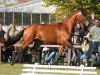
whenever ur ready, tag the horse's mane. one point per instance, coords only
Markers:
(71, 15)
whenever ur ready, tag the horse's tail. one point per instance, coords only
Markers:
(14, 40)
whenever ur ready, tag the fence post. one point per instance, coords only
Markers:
(34, 68)
(81, 73)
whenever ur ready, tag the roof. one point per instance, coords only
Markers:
(24, 1)
(36, 6)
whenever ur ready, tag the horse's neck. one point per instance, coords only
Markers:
(69, 22)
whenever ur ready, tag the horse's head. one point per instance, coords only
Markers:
(70, 21)
(80, 17)
(74, 17)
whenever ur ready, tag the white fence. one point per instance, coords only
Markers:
(30, 69)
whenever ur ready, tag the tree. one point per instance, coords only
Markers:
(66, 7)
(4, 4)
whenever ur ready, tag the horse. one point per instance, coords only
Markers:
(56, 33)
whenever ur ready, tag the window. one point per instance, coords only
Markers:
(36, 18)
(26, 18)
(45, 18)
(2, 17)
(8, 18)
(18, 18)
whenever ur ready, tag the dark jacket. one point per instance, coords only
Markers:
(2, 39)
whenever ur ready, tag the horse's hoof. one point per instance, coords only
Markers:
(14, 59)
(12, 63)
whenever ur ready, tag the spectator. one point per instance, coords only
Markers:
(49, 55)
(79, 30)
(85, 47)
(12, 30)
(92, 22)
(94, 39)
(54, 55)
(77, 50)
(28, 56)
(87, 26)
(3, 35)
(44, 52)
(3, 38)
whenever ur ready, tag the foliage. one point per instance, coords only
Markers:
(66, 7)
(1, 2)
(6, 4)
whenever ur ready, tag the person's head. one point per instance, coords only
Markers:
(12, 26)
(45, 49)
(76, 38)
(85, 40)
(86, 23)
(78, 25)
(97, 22)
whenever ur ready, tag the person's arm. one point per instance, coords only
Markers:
(90, 33)
(77, 46)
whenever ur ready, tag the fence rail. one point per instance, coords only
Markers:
(30, 69)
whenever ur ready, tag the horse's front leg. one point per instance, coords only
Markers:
(61, 50)
(69, 46)
(59, 54)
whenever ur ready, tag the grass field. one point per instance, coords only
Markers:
(7, 69)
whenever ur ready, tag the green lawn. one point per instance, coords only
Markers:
(98, 70)
(7, 69)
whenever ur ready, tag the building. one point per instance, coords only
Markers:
(28, 12)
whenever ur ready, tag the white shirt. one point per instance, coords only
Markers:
(95, 33)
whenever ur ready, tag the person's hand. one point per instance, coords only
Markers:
(88, 35)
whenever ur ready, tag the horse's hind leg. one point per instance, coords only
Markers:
(69, 46)
(36, 44)
(25, 43)
(16, 55)
(61, 49)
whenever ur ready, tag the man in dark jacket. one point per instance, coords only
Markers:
(3, 35)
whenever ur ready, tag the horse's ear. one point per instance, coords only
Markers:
(80, 13)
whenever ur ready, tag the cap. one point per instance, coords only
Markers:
(45, 49)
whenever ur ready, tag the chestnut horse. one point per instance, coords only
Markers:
(57, 33)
